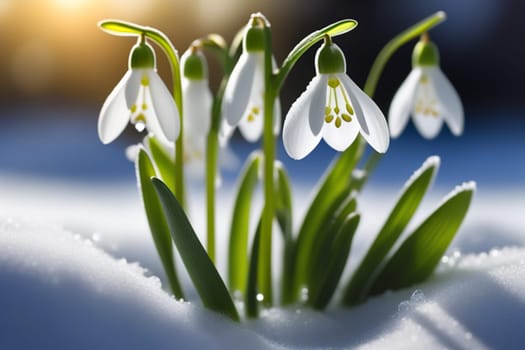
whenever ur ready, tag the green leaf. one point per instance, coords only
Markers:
(418, 256)
(322, 247)
(251, 302)
(206, 279)
(339, 210)
(283, 213)
(239, 231)
(121, 28)
(334, 263)
(283, 201)
(156, 220)
(399, 217)
(333, 189)
(333, 29)
(163, 160)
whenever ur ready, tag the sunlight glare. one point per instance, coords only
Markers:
(70, 5)
(131, 7)
(4, 6)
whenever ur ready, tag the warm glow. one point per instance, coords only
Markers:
(69, 5)
(4, 5)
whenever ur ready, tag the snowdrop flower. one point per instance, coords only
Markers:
(333, 107)
(243, 103)
(426, 94)
(197, 101)
(140, 98)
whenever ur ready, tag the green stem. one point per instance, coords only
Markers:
(377, 69)
(160, 39)
(211, 176)
(394, 44)
(333, 29)
(123, 28)
(212, 152)
(265, 251)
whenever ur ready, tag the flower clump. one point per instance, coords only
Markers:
(193, 122)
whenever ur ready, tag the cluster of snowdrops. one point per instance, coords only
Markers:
(191, 122)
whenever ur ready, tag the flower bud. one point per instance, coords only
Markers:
(194, 65)
(425, 53)
(329, 59)
(254, 39)
(142, 56)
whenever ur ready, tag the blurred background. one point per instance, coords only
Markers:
(57, 67)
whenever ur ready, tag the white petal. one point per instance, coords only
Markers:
(165, 109)
(317, 103)
(449, 101)
(371, 120)
(298, 138)
(114, 115)
(152, 123)
(239, 87)
(197, 102)
(428, 126)
(225, 133)
(252, 130)
(342, 137)
(277, 112)
(277, 117)
(133, 86)
(403, 102)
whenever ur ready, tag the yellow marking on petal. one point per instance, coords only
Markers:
(251, 117)
(346, 117)
(424, 79)
(338, 122)
(256, 110)
(144, 106)
(144, 81)
(133, 108)
(333, 82)
(140, 118)
(329, 118)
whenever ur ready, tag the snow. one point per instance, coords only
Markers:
(69, 286)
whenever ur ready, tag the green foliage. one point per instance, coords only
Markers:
(332, 263)
(316, 257)
(156, 220)
(251, 302)
(283, 213)
(240, 225)
(418, 256)
(332, 191)
(163, 161)
(399, 217)
(205, 278)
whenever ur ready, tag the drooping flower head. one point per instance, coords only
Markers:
(197, 101)
(243, 103)
(333, 107)
(427, 95)
(140, 98)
